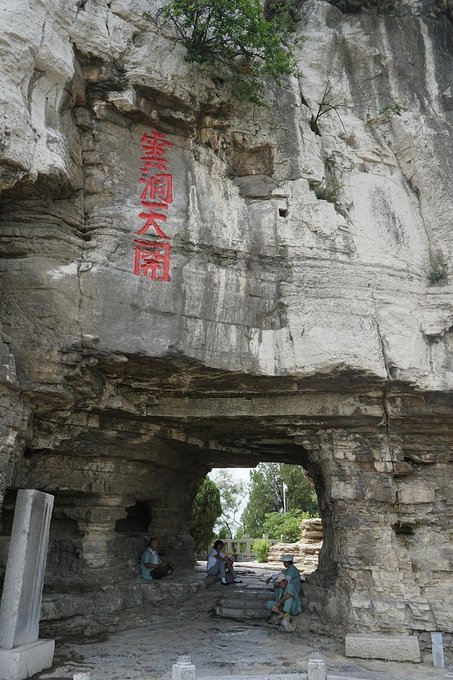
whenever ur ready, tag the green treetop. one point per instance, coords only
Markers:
(247, 42)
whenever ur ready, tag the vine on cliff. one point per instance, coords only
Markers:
(247, 42)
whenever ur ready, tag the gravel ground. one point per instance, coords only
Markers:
(142, 644)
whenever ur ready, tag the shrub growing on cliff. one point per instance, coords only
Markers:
(235, 35)
(438, 273)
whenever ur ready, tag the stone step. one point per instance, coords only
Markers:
(239, 602)
(238, 599)
(244, 603)
(246, 612)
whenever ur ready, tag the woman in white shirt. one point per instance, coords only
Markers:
(219, 563)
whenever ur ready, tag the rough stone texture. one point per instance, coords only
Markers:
(26, 660)
(293, 329)
(387, 647)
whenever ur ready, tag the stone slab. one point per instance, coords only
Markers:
(387, 647)
(242, 613)
(24, 577)
(24, 661)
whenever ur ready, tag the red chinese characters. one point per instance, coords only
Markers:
(152, 257)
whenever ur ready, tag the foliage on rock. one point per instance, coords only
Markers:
(237, 36)
(438, 273)
(386, 113)
(394, 108)
(331, 100)
(206, 510)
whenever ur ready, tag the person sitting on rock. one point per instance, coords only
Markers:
(219, 564)
(291, 571)
(151, 566)
(285, 604)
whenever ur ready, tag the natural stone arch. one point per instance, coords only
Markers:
(375, 470)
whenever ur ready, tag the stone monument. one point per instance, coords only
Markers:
(21, 653)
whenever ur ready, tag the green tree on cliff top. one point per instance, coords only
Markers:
(239, 37)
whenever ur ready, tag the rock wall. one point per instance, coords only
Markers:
(308, 317)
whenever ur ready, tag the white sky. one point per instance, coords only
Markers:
(240, 475)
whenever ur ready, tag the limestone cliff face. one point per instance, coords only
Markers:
(308, 316)
(266, 275)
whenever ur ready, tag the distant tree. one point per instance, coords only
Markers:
(301, 494)
(232, 495)
(206, 510)
(266, 494)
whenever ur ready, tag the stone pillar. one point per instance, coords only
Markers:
(183, 669)
(437, 650)
(22, 655)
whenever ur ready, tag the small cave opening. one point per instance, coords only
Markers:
(402, 529)
(137, 520)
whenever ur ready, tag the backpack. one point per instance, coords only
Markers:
(229, 576)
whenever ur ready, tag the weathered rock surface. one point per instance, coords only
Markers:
(309, 314)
